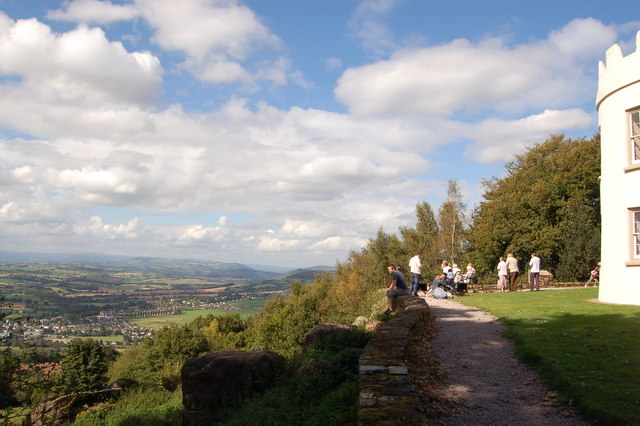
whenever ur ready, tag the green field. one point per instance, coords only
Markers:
(247, 307)
(589, 352)
(117, 338)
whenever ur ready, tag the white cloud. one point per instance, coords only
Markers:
(101, 12)
(471, 78)
(368, 27)
(498, 140)
(216, 35)
(97, 227)
(80, 66)
(93, 136)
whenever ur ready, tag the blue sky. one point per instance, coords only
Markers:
(280, 132)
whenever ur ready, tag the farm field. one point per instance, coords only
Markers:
(246, 308)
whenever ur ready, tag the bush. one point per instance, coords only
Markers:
(151, 407)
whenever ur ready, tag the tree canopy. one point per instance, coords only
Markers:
(548, 203)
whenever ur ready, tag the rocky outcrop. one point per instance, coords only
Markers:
(63, 410)
(218, 380)
(386, 394)
(326, 331)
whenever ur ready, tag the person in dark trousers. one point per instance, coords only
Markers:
(398, 287)
(534, 272)
(512, 267)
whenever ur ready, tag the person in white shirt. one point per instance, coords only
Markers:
(514, 272)
(502, 275)
(414, 266)
(534, 272)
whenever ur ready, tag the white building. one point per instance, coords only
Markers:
(618, 106)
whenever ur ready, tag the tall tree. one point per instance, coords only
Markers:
(422, 239)
(451, 221)
(84, 366)
(549, 203)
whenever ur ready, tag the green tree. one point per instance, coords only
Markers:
(84, 366)
(159, 360)
(451, 224)
(386, 249)
(423, 238)
(548, 203)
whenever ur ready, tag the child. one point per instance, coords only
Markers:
(594, 277)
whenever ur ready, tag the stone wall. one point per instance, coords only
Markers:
(386, 394)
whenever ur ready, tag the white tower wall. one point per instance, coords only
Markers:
(618, 93)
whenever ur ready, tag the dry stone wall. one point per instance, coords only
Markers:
(386, 393)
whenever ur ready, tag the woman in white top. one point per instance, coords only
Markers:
(502, 275)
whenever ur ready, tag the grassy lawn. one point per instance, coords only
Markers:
(589, 352)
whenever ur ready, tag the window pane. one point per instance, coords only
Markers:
(635, 123)
(636, 233)
(635, 148)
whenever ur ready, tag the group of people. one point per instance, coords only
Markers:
(451, 277)
(508, 273)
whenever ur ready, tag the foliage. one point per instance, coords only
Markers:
(152, 407)
(84, 366)
(284, 321)
(451, 224)
(547, 203)
(326, 398)
(386, 249)
(355, 289)
(224, 331)
(587, 351)
(423, 238)
(159, 360)
(26, 379)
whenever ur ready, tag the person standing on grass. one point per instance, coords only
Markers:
(502, 275)
(512, 268)
(534, 272)
(593, 277)
(398, 287)
(415, 265)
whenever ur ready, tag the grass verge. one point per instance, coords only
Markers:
(587, 351)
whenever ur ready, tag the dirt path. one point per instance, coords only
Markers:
(479, 381)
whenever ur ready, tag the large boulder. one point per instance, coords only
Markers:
(218, 380)
(326, 332)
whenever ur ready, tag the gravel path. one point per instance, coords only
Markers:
(477, 379)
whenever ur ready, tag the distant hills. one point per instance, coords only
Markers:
(61, 257)
(171, 267)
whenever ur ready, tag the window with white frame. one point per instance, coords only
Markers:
(635, 223)
(634, 122)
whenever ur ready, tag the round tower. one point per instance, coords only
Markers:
(618, 106)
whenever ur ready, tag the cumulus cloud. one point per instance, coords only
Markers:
(93, 11)
(83, 132)
(461, 77)
(216, 36)
(497, 140)
(98, 227)
(80, 66)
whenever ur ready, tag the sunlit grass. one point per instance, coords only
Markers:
(589, 352)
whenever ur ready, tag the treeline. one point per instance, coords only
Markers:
(548, 202)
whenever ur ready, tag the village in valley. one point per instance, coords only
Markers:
(47, 304)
